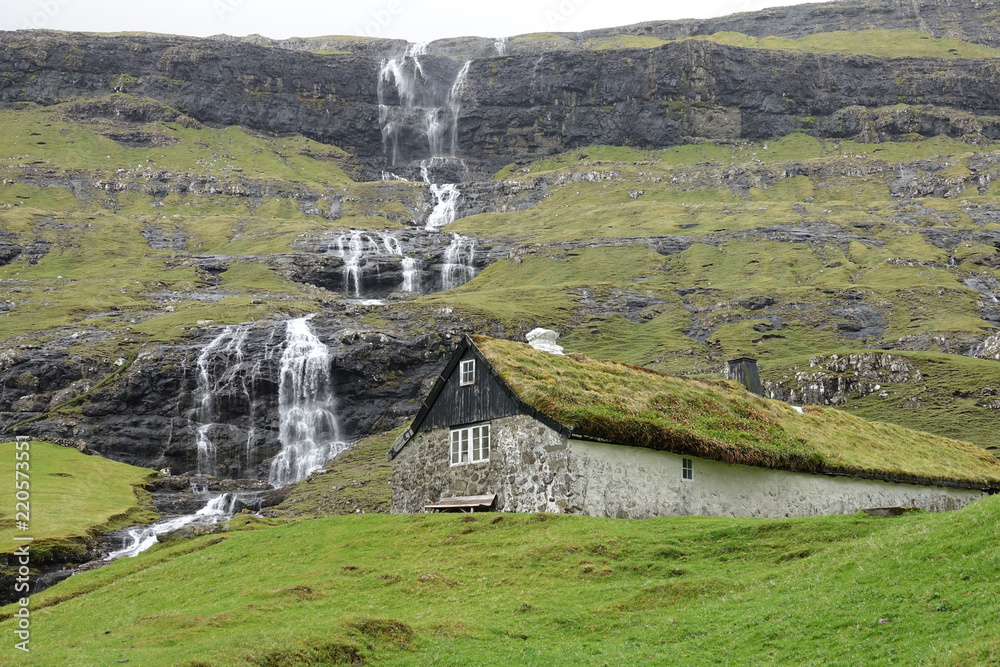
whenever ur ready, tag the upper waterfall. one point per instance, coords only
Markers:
(420, 122)
(419, 105)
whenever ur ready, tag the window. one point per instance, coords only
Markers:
(468, 372)
(687, 470)
(470, 444)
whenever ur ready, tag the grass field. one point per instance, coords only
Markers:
(72, 496)
(879, 43)
(543, 590)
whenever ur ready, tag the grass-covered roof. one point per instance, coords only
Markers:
(718, 420)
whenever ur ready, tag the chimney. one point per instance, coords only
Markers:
(744, 371)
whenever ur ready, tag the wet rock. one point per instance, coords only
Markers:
(31, 403)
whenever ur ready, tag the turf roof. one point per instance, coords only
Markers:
(719, 420)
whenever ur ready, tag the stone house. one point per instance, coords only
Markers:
(510, 428)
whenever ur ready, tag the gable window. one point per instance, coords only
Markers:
(470, 444)
(687, 470)
(468, 373)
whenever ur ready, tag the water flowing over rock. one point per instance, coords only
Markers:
(139, 538)
(309, 430)
(459, 262)
(428, 108)
(224, 363)
(410, 275)
(358, 249)
(445, 202)
(419, 105)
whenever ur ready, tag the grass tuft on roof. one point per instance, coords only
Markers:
(721, 421)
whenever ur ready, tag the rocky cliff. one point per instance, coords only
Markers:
(526, 104)
(168, 203)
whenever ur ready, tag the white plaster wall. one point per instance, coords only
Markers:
(635, 482)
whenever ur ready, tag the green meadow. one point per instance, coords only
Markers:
(919, 589)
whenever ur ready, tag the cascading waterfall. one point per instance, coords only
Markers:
(445, 205)
(455, 103)
(221, 363)
(410, 275)
(308, 428)
(421, 106)
(501, 46)
(357, 248)
(459, 262)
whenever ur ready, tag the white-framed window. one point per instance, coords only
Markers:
(468, 372)
(470, 444)
(687, 470)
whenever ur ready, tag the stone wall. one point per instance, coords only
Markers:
(527, 469)
(634, 483)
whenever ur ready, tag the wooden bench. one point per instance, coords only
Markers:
(463, 504)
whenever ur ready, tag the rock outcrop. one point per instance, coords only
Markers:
(832, 380)
(524, 104)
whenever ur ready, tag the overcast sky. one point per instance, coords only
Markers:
(413, 20)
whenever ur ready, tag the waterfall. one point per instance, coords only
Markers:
(459, 258)
(357, 248)
(445, 203)
(410, 275)
(221, 364)
(455, 102)
(501, 46)
(423, 106)
(308, 428)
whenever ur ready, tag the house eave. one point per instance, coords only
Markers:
(987, 487)
(466, 345)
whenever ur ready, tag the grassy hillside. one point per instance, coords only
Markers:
(355, 481)
(880, 43)
(72, 497)
(674, 259)
(542, 589)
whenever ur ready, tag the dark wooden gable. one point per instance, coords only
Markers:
(451, 404)
(483, 400)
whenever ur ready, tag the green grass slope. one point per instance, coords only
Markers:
(543, 590)
(72, 497)
(353, 482)
(880, 43)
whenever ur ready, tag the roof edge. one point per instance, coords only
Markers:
(468, 343)
(988, 487)
(442, 378)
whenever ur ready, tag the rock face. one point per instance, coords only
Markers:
(524, 103)
(832, 379)
(150, 415)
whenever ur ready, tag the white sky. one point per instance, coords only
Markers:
(413, 20)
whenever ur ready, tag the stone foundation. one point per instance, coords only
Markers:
(527, 469)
